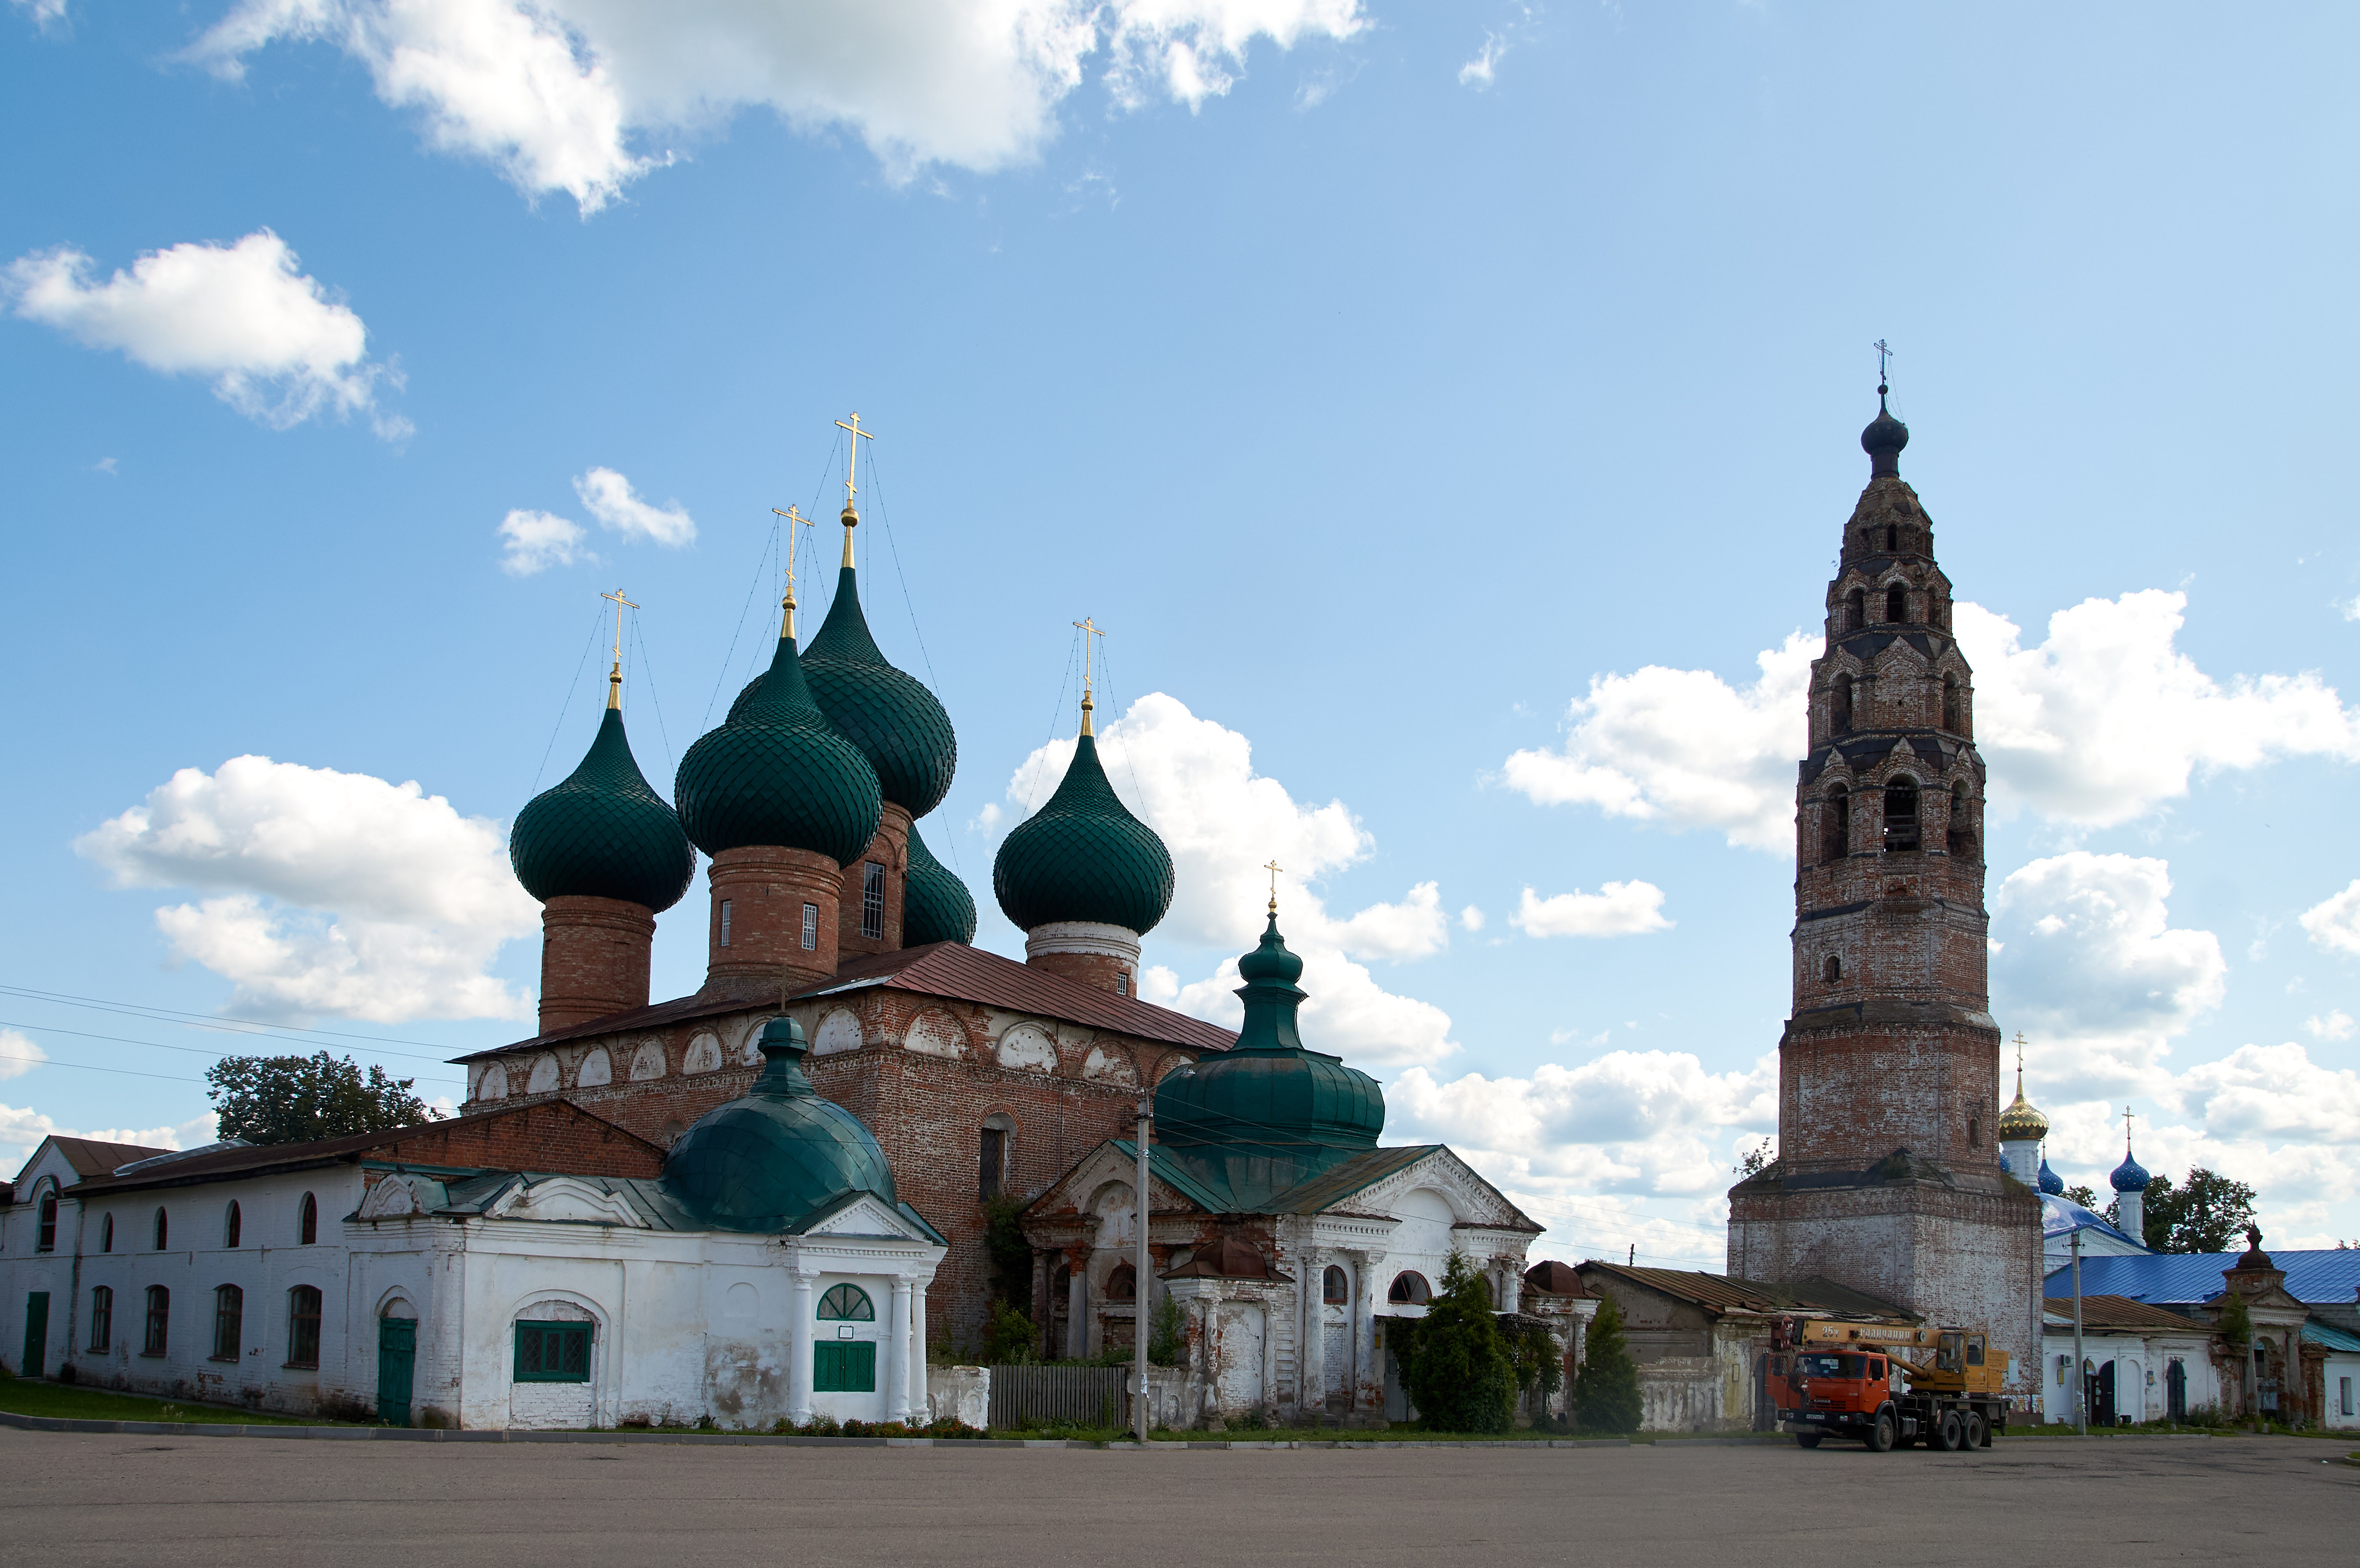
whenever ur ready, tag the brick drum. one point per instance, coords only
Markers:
(766, 889)
(594, 959)
(1888, 1177)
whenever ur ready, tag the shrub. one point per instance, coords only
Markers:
(1009, 1337)
(1605, 1396)
(1456, 1370)
(1166, 1332)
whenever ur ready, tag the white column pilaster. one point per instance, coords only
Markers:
(799, 1350)
(897, 1382)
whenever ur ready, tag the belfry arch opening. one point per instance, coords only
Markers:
(1961, 835)
(1835, 826)
(1839, 705)
(1950, 703)
(1855, 612)
(1896, 603)
(1900, 814)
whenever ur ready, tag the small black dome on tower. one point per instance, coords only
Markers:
(1883, 439)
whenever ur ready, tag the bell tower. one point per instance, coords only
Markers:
(1890, 1177)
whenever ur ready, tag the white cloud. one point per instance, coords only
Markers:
(1194, 781)
(1483, 70)
(1684, 747)
(1617, 909)
(278, 348)
(2100, 725)
(2335, 923)
(18, 1054)
(1629, 1121)
(1470, 918)
(2336, 1025)
(536, 541)
(2108, 719)
(2090, 967)
(2270, 1092)
(44, 14)
(613, 502)
(335, 893)
(571, 94)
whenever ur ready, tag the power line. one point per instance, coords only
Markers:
(151, 1044)
(207, 1020)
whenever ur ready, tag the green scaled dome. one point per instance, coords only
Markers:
(935, 905)
(1083, 857)
(775, 773)
(603, 833)
(895, 722)
(1267, 1113)
(764, 1162)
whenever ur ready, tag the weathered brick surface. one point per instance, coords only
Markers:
(767, 890)
(891, 849)
(1103, 970)
(1891, 1044)
(594, 958)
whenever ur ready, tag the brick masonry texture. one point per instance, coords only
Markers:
(1103, 970)
(594, 958)
(891, 849)
(767, 890)
(1891, 1045)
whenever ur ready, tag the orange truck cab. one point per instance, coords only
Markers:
(1887, 1385)
(1832, 1390)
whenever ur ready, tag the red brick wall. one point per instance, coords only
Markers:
(594, 958)
(550, 1136)
(891, 849)
(767, 890)
(1103, 970)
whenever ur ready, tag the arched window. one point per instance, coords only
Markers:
(1950, 703)
(1122, 1285)
(1897, 604)
(1963, 821)
(163, 1230)
(229, 1322)
(1410, 1289)
(1892, 537)
(46, 1238)
(307, 1223)
(1835, 823)
(102, 1320)
(106, 1233)
(846, 1303)
(1335, 1286)
(159, 1320)
(1974, 1133)
(1901, 814)
(232, 1224)
(1939, 611)
(1855, 610)
(992, 1141)
(304, 1327)
(1839, 705)
(1833, 970)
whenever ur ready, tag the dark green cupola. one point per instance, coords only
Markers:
(769, 1160)
(1267, 1113)
(937, 906)
(777, 774)
(1082, 856)
(603, 832)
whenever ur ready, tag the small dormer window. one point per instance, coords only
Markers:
(872, 901)
(811, 928)
(725, 922)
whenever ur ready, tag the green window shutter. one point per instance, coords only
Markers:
(552, 1353)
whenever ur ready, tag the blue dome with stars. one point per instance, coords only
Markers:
(2050, 1183)
(2130, 1176)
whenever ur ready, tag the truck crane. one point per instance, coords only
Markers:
(1889, 1385)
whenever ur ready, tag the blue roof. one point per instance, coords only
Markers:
(2323, 1278)
(2330, 1337)
(2063, 1216)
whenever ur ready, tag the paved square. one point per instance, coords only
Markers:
(193, 1500)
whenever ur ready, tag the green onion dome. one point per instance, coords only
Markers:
(603, 832)
(897, 724)
(766, 1160)
(935, 905)
(1267, 1113)
(777, 774)
(1083, 857)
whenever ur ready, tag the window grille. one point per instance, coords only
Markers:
(872, 900)
(229, 1321)
(724, 921)
(811, 928)
(159, 1320)
(304, 1327)
(47, 1240)
(553, 1352)
(846, 1303)
(1334, 1287)
(102, 1320)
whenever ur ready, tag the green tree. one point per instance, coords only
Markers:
(295, 1099)
(2207, 1213)
(1458, 1372)
(1165, 1331)
(1755, 1160)
(1605, 1396)
(1009, 1337)
(2084, 1196)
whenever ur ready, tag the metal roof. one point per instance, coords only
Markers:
(2062, 1216)
(2120, 1311)
(2328, 1336)
(1724, 1293)
(2324, 1276)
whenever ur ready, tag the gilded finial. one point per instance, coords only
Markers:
(1089, 629)
(614, 676)
(850, 519)
(2019, 1064)
(787, 604)
(1273, 868)
(1882, 355)
(2127, 1132)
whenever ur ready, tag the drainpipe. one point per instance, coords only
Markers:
(1143, 1279)
(2080, 1385)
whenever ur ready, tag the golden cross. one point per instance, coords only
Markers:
(2020, 1051)
(1273, 868)
(2126, 1128)
(852, 465)
(615, 678)
(1086, 625)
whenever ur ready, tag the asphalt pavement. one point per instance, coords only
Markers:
(74, 1500)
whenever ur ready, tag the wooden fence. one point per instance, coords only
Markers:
(1086, 1396)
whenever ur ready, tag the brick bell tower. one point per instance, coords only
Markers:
(1890, 1177)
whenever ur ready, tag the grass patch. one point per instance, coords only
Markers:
(59, 1400)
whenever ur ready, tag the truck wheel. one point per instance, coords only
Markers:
(1880, 1436)
(1978, 1431)
(1949, 1433)
(1808, 1438)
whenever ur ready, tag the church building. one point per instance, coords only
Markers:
(1889, 1178)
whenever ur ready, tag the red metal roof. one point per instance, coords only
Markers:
(90, 1157)
(1722, 1293)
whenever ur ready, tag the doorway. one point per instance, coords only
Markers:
(2101, 1396)
(396, 1360)
(37, 1335)
(2175, 1390)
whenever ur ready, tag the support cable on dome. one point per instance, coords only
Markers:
(1105, 680)
(1056, 713)
(596, 623)
(933, 682)
(762, 648)
(648, 674)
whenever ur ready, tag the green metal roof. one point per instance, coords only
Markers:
(1084, 857)
(774, 1159)
(776, 773)
(1267, 1115)
(603, 832)
(935, 905)
(897, 724)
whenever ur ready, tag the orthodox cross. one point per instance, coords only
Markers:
(792, 517)
(1087, 625)
(1882, 354)
(2019, 1053)
(852, 463)
(615, 679)
(2126, 1130)
(1273, 868)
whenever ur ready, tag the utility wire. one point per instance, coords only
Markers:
(648, 674)
(567, 706)
(208, 1020)
(151, 1044)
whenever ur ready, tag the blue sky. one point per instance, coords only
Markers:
(1450, 410)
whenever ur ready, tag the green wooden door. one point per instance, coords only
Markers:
(397, 1358)
(36, 1335)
